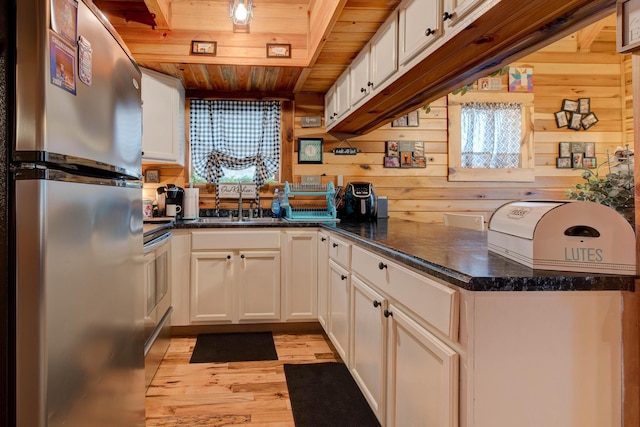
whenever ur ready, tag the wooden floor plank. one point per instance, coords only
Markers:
(230, 394)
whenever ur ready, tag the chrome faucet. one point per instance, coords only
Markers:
(239, 201)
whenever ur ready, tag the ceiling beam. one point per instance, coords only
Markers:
(160, 10)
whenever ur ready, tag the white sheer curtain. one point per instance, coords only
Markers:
(491, 134)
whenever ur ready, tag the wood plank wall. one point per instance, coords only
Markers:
(560, 71)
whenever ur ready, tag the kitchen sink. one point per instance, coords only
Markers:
(234, 221)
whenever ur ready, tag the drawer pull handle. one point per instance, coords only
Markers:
(343, 277)
(376, 303)
(446, 16)
(324, 239)
(387, 313)
(429, 32)
(335, 245)
(382, 265)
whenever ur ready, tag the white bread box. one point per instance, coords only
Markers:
(565, 236)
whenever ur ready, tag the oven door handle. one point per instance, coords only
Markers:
(156, 243)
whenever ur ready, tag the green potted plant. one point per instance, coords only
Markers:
(615, 189)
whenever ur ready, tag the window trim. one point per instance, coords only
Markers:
(526, 171)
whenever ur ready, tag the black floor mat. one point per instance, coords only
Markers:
(234, 347)
(325, 394)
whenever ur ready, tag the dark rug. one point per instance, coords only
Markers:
(325, 394)
(234, 347)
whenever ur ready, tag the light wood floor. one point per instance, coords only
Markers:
(230, 394)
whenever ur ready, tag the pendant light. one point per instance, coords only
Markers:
(241, 11)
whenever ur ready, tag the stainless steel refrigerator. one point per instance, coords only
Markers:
(74, 305)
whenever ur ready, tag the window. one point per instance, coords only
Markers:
(234, 139)
(491, 137)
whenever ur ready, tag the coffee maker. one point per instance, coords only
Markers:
(360, 201)
(173, 195)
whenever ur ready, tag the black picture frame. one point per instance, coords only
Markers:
(310, 150)
(391, 161)
(564, 149)
(575, 121)
(411, 119)
(570, 105)
(406, 159)
(561, 119)
(589, 149)
(278, 50)
(577, 160)
(588, 120)
(564, 162)
(152, 176)
(584, 105)
(204, 47)
(590, 162)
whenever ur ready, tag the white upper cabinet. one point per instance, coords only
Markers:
(420, 24)
(163, 131)
(360, 79)
(330, 112)
(384, 52)
(342, 94)
(455, 10)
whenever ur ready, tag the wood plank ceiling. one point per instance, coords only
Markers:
(325, 36)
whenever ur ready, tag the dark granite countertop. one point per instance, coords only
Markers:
(460, 257)
(456, 255)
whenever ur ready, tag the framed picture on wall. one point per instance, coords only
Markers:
(563, 162)
(564, 149)
(310, 150)
(391, 162)
(628, 25)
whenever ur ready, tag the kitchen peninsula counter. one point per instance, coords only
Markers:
(456, 255)
(461, 257)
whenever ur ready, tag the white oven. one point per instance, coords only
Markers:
(157, 291)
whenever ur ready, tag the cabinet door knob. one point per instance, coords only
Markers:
(446, 16)
(363, 90)
(335, 245)
(387, 313)
(429, 32)
(343, 277)
(324, 239)
(382, 265)
(370, 84)
(242, 256)
(376, 303)
(228, 256)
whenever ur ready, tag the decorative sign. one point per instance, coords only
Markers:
(520, 79)
(62, 66)
(311, 121)
(85, 70)
(278, 50)
(345, 151)
(229, 190)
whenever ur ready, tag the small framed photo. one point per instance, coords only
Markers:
(391, 162)
(570, 105)
(201, 47)
(564, 149)
(563, 162)
(589, 162)
(418, 149)
(310, 150)
(278, 50)
(575, 122)
(408, 120)
(419, 162)
(152, 175)
(584, 105)
(589, 149)
(577, 160)
(589, 120)
(392, 148)
(561, 119)
(577, 147)
(405, 159)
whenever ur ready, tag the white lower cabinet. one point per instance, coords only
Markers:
(422, 376)
(368, 346)
(300, 275)
(339, 309)
(235, 276)
(323, 276)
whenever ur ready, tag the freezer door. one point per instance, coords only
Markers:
(79, 322)
(101, 121)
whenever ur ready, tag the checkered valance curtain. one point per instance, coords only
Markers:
(236, 135)
(491, 134)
